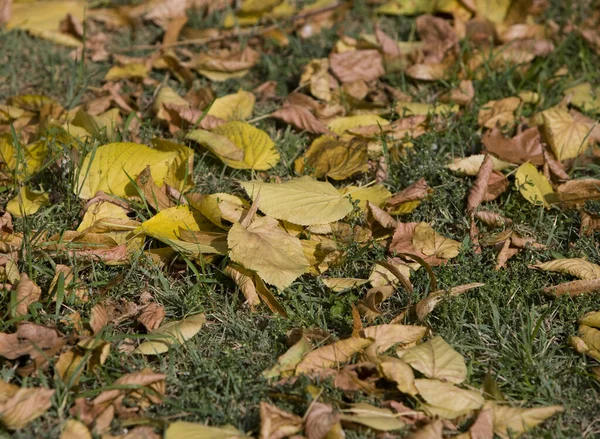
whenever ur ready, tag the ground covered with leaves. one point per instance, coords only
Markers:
(281, 218)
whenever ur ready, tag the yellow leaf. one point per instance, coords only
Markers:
(590, 319)
(436, 359)
(335, 158)
(340, 125)
(512, 422)
(25, 162)
(339, 284)
(331, 355)
(575, 267)
(42, 19)
(585, 97)
(418, 108)
(376, 194)
(93, 125)
(534, 186)
(220, 146)
(470, 165)
(20, 406)
(259, 150)
(566, 136)
(414, 7)
(75, 430)
(189, 430)
(256, 6)
(171, 333)
(27, 202)
(429, 242)
(232, 208)
(134, 70)
(111, 167)
(446, 400)
(286, 364)
(166, 95)
(101, 210)
(237, 106)
(494, 10)
(69, 365)
(401, 373)
(373, 417)
(388, 335)
(301, 201)
(281, 258)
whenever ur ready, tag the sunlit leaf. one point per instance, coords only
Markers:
(436, 359)
(534, 187)
(172, 333)
(27, 202)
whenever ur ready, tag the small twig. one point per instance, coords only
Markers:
(243, 32)
(259, 118)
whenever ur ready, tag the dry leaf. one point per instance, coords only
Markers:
(357, 65)
(436, 359)
(170, 334)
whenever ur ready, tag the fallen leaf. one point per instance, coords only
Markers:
(322, 422)
(351, 66)
(27, 202)
(436, 359)
(524, 147)
(331, 355)
(172, 333)
(27, 293)
(301, 118)
(373, 417)
(574, 266)
(282, 259)
(75, 430)
(447, 400)
(512, 422)
(20, 406)
(534, 187)
(286, 363)
(237, 106)
(301, 201)
(276, 423)
(566, 136)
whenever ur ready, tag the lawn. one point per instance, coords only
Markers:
(510, 331)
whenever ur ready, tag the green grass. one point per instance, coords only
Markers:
(507, 328)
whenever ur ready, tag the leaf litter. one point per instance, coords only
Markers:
(284, 218)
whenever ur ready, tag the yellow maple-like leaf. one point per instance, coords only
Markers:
(134, 70)
(430, 243)
(340, 125)
(237, 106)
(534, 186)
(303, 200)
(27, 202)
(513, 422)
(259, 150)
(436, 359)
(172, 333)
(111, 167)
(566, 136)
(281, 258)
(447, 400)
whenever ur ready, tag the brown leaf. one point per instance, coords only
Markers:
(492, 219)
(500, 112)
(276, 423)
(590, 222)
(415, 192)
(98, 318)
(156, 197)
(480, 186)
(461, 95)
(173, 29)
(483, 427)
(382, 217)
(524, 147)
(17, 409)
(388, 45)
(320, 422)
(432, 430)
(266, 90)
(574, 288)
(30, 339)
(497, 185)
(576, 192)
(27, 293)
(428, 304)
(438, 37)
(215, 64)
(356, 65)
(301, 118)
(152, 316)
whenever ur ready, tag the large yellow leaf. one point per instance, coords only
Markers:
(42, 19)
(101, 210)
(332, 355)
(259, 150)
(566, 136)
(446, 400)
(110, 167)
(276, 256)
(574, 266)
(189, 430)
(376, 194)
(171, 333)
(237, 106)
(303, 200)
(219, 145)
(512, 422)
(534, 187)
(436, 359)
(26, 202)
